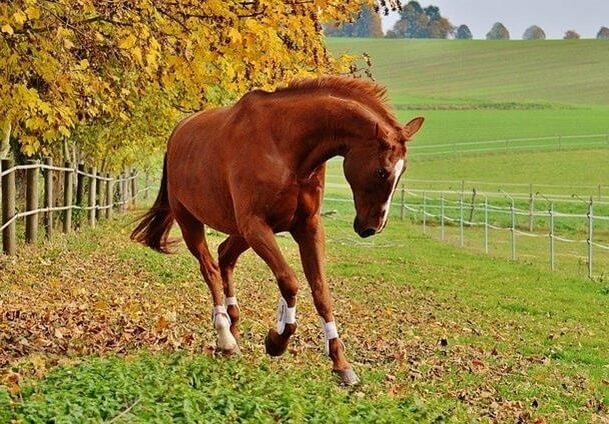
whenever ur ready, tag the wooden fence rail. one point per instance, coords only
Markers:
(95, 194)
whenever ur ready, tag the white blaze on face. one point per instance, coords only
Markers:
(397, 171)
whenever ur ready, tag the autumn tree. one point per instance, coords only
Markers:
(366, 24)
(603, 33)
(571, 35)
(99, 76)
(534, 33)
(498, 32)
(418, 22)
(464, 33)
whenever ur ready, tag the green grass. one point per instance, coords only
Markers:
(473, 91)
(432, 72)
(518, 343)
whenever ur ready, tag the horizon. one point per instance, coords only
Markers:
(518, 15)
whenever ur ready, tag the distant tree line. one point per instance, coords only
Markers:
(416, 21)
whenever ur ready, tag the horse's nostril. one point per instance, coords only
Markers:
(367, 232)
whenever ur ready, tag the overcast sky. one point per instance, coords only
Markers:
(555, 17)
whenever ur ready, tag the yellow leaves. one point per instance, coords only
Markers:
(32, 12)
(19, 18)
(127, 42)
(101, 69)
(7, 29)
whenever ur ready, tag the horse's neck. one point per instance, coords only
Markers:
(329, 127)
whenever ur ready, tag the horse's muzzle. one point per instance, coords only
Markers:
(362, 231)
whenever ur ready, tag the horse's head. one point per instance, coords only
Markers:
(373, 171)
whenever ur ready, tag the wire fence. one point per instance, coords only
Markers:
(480, 219)
(83, 190)
(558, 142)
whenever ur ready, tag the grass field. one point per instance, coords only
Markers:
(437, 335)
(473, 72)
(478, 90)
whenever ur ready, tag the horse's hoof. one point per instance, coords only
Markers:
(347, 377)
(236, 351)
(271, 348)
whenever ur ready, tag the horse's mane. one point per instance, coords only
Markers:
(370, 94)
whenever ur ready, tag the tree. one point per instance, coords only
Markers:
(366, 24)
(603, 33)
(77, 73)
(498, 32)
(534, 33)
(416, 22)
(571, 35)
(463, 33)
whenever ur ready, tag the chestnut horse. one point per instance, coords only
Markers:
(258, 168)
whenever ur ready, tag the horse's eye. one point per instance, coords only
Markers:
(382, 173)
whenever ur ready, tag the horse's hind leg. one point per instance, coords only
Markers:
(193, 232)
(228, 253)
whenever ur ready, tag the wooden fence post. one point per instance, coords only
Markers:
(147, 184)
(133, 187)
(9, 239)
(92, 195)
(49, 200)
(80, 192)
(68, 188)
(31, 203)
(121, 192)
(109, 196)
(100, 198)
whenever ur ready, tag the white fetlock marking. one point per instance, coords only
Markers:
(330, 333)
(221, 320)
(285, 315)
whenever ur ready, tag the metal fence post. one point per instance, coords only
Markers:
(590, 231)
(424, 212)
(9, 239)
(402, 203)
(442, 215)
(485, 224)
(31, 203)
(531, 207)
(461, 219)
(513, 230)
(68, 188)
(551, 213)
(49, 200)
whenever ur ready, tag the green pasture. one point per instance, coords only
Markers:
(471, 91)
(436, 333)
(474, 73)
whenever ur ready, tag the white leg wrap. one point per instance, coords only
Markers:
(330, 333)
(285, 315)
(231, 301)
(221, 320)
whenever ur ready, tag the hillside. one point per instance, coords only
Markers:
(566, 72)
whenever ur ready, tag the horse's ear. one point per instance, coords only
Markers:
(412, 127)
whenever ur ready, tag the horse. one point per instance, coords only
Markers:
(257, 168)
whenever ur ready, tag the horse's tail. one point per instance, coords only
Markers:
(153, 229)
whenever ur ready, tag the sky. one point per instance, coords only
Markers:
(555, 17)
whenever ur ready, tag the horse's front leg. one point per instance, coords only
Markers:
(261, 238)
(228, 253)
(309, 234)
